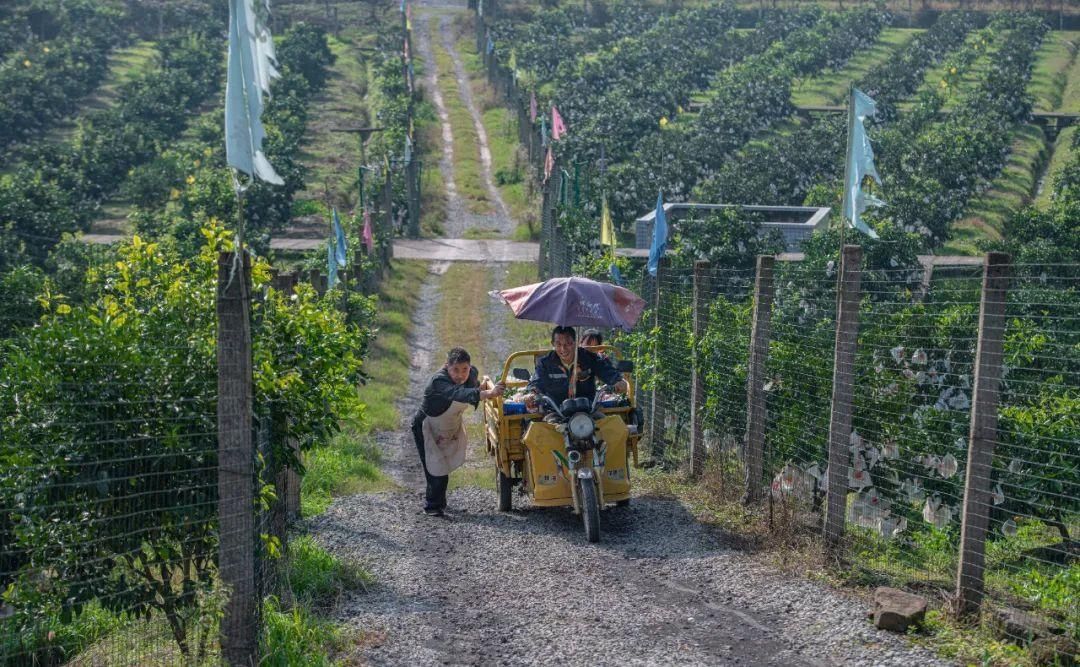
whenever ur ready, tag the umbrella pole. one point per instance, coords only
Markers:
(573, 374)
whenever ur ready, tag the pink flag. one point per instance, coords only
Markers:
(558, 127)
(369, 239)
(549, 163)
(532, 107)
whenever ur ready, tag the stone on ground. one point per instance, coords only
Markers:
(897, 610)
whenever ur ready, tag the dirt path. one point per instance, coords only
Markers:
(501, 219)
(438, 16)
(480, 587)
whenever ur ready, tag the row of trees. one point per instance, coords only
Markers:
(53, 54)
(108, 369)
(57, 188)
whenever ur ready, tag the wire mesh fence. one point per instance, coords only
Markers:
(912, 486)
(144, 484)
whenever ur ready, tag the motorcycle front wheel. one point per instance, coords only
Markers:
(590, 510)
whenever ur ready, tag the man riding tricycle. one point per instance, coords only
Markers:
(567, 442)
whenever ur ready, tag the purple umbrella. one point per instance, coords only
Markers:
(575, 302)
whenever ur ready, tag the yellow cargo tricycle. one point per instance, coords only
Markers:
(575, 454)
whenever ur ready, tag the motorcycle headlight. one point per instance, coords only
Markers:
(581, 426)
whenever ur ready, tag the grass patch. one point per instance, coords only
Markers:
(466, 153)
(469, 477)
(55, 641)
(461, 317)
(967, 644)
(1061, 154)
(298, 637)
(389, 359)
(525, 233)
(970, 76)
(480, 233)
(349, 463)
(432, 188)
(125, 64)
(1070, 96)
(1050, 75)
(318, 578)
(831, 88)
(1013, 188)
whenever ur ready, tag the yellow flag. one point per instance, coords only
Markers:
(607, 228)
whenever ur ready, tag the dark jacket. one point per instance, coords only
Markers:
(552, 379)
(441, 392)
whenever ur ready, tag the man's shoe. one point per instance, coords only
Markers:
(433, 511)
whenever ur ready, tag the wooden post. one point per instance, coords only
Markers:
(983, 435)
(847, 333)
(236, 462)
(657, 439)
(317, 281)
(697, 384)
(760, 334)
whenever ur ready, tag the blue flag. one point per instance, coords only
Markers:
(250, 69)
(339, 241)
(659, 236)
(616, 274)
(860, 163)
(331, 265)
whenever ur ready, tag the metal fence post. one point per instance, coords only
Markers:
(847, 333)
(697, 386)
(657, 440)
(983, 435)
(760, 333)
(236, 461)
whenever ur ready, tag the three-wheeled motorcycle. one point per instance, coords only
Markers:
(576, 454)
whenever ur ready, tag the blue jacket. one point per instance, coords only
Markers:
(552, 379)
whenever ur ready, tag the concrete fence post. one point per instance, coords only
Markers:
(702, 293)
(388, 224)
(983, 435)
(236, 462)
(760, 333)
(318, 282)
(287, 484)
(412, 182)
(843, 389)
(657, 437)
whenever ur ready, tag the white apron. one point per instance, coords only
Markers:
(445, 440)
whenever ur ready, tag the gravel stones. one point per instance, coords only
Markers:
(525, 588)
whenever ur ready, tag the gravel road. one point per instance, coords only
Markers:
(479, 587)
